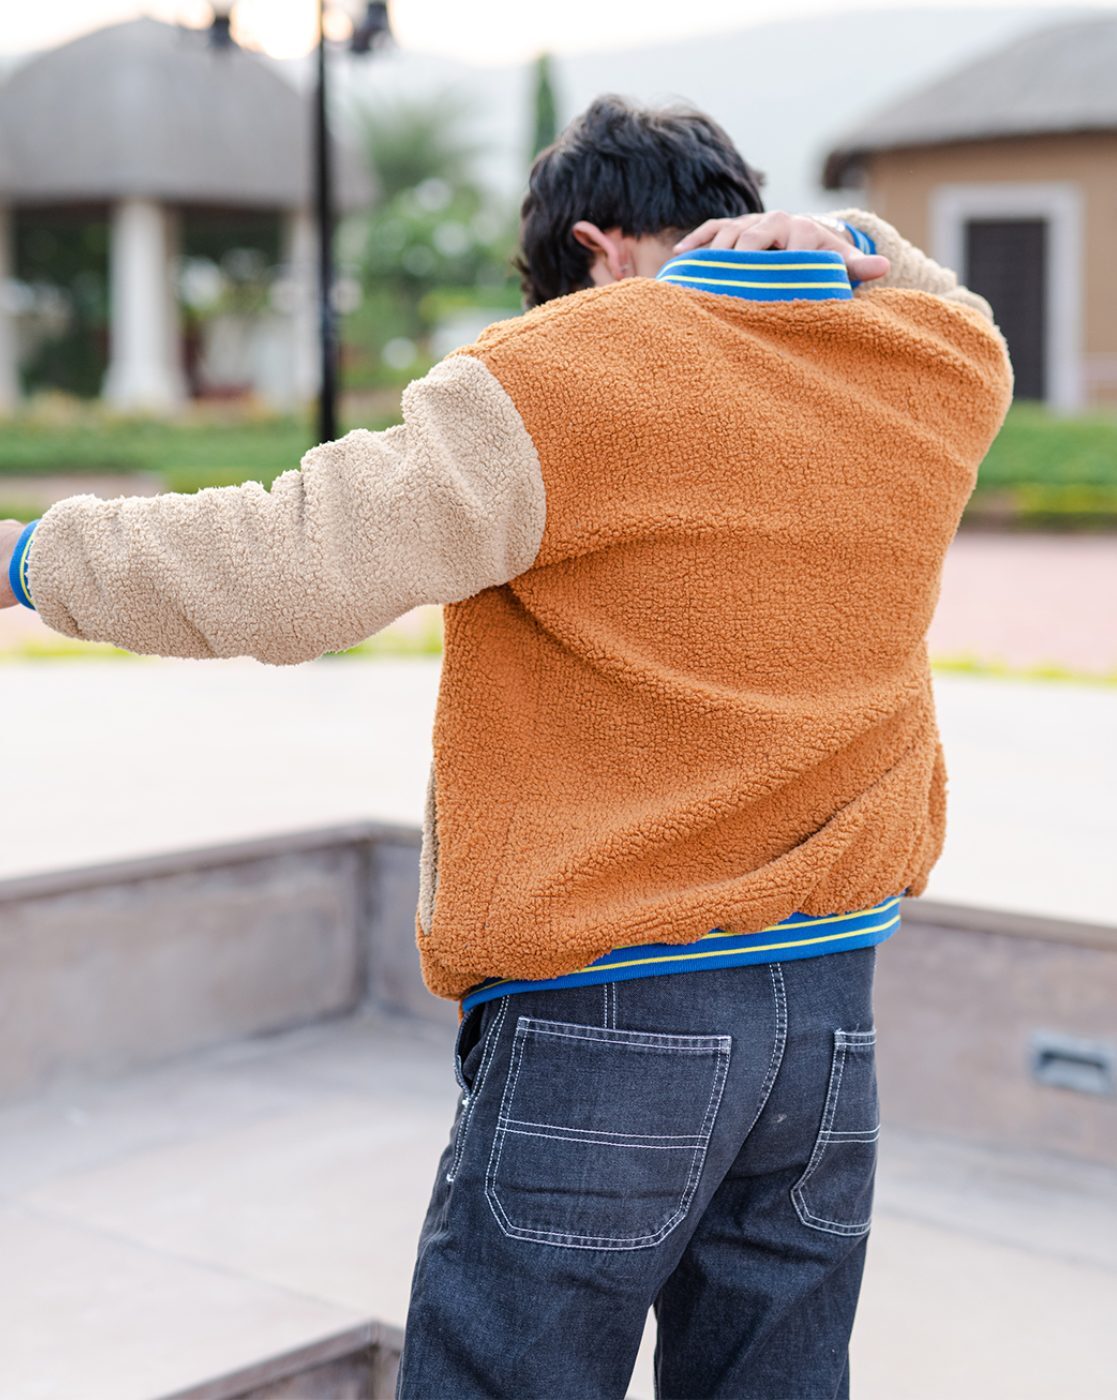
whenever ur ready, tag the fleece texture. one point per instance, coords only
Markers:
(691, 546)
(448, 503)
(708, 703)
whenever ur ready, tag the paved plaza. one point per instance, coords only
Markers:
(191, 1220)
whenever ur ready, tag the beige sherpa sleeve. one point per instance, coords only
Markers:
(433, 511)
(911, 269)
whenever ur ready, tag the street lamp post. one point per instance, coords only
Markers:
(324, 215)
(373, 29)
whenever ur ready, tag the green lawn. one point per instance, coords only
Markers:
(1036, 448)
(1045, 471)
(1042, 470)
(189, 453)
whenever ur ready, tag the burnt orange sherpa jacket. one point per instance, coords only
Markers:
(691, 546)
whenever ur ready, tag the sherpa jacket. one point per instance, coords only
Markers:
(689, 546)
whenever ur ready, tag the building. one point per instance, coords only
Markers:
(147, 125)
(1006, 169)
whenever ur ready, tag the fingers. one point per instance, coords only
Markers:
(730, 236)
(753, 233)
(777, 228)
(699, 237)
(866, 267)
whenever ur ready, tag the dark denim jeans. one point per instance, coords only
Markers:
(703, 1143)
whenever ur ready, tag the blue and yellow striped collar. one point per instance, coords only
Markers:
(773, 275)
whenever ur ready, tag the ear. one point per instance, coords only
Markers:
(611, 261)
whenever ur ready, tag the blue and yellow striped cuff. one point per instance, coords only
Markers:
(17, 568)
(864, 243)
(799, 936)
(775, 274)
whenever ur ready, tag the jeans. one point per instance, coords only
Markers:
(703, 1144)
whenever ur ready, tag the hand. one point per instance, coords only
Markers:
(10, 531)
(777, 229)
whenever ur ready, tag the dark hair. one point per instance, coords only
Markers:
(641, 170)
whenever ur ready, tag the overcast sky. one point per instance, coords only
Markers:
(484, 31)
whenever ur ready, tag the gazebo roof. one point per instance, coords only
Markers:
(1057, 79)
(151, 110)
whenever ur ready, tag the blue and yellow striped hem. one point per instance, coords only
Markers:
(799, 936)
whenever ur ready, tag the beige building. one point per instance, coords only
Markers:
(1007, 170)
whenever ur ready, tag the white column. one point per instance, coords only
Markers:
(300, 253)
(9, 354)
(145, 371)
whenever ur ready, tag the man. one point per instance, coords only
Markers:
(688, 525)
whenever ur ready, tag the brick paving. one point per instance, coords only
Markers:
(1028, 600)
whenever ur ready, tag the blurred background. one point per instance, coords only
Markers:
(230, 230)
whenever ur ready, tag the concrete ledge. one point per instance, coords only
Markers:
(964, 998)
(976, 919)
(68, 880)
(110, 968)
(360, 1363)
(122, 965)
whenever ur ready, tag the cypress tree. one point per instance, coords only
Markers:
(545, 125)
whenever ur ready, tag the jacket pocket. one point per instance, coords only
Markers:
(428, 855)
(835, 1193)
(602, 1133)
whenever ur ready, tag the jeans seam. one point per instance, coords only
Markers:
(679, 1139)
(636, 1040)
(829, 1113)
(478, 1084)
(779, 1044)
(832, 1227)
(601, 1142)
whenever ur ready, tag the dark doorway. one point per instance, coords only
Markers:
(1006, 261)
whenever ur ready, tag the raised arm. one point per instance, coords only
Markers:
(909, 267)
(435, 510)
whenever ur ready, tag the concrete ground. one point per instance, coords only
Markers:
(117, 759)
(180, 1224)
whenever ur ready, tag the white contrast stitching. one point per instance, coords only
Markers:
(844, 1041)
(525, 1025)
(652, 1040)
(688, 1138)
(600, 1142)
(779, 993)
(478, 1084)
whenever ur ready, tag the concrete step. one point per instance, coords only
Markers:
(358, 1363)
(243, 1222)
(1000, 1025)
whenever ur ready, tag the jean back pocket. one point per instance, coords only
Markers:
(602, 1133)
(835, 1192)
